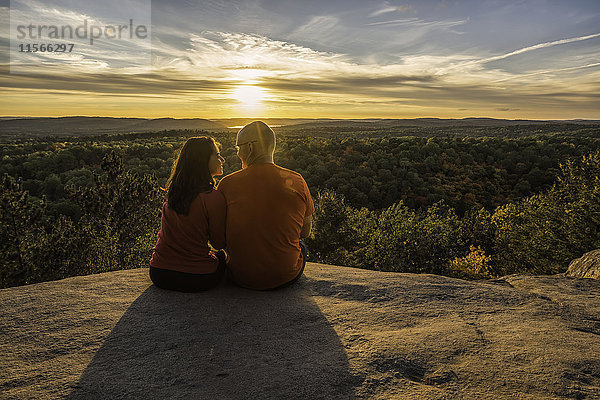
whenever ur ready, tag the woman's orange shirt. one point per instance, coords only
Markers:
(183, 239)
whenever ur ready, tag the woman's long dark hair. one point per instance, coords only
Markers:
(190, 174)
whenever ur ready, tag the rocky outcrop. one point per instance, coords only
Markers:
(587, 266)
(339, 333)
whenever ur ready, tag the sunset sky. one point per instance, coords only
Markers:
(311, 59)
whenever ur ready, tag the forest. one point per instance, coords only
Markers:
(468, 202)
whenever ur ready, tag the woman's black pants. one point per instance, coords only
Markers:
(186, 282)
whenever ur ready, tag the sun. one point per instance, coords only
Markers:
(249, 96)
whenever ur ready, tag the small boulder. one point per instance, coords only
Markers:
(587, 266)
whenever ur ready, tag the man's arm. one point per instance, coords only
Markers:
(217, 212)
(306, 225)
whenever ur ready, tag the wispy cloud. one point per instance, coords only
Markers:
(549, 71)
(416, 22)
(388, 9)
(104, 53)
(539, 46)
(164, 83)
(396, 21)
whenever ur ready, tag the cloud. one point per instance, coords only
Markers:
(207, 66)
(164, 83)
(214, 63)
(396, 21)
(416, 22)
(387, 9)
(423, 91)
(104, 53)
(361, 85)
(549, 71)
(321, 24)
(538, 46)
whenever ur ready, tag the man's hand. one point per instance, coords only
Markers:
(306, 225)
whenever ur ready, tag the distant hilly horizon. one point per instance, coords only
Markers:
(68, 125)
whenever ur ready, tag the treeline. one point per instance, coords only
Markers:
(538, 234)
(464, 172)
(444, 130)
(463, 206)
(116, 227)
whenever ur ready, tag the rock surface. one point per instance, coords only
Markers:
(339, 333)
(587, 266)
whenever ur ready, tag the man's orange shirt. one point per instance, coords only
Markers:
(266, 207)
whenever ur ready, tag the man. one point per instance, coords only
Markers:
(269, 211)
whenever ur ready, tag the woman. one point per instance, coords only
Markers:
(193, 215)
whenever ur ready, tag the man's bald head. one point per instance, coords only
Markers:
(261, 132)
(256, 143)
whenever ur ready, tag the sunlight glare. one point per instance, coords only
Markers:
(250, 96)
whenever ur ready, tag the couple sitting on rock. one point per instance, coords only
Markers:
(259, 214)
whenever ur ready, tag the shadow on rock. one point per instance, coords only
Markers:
(228, 343)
